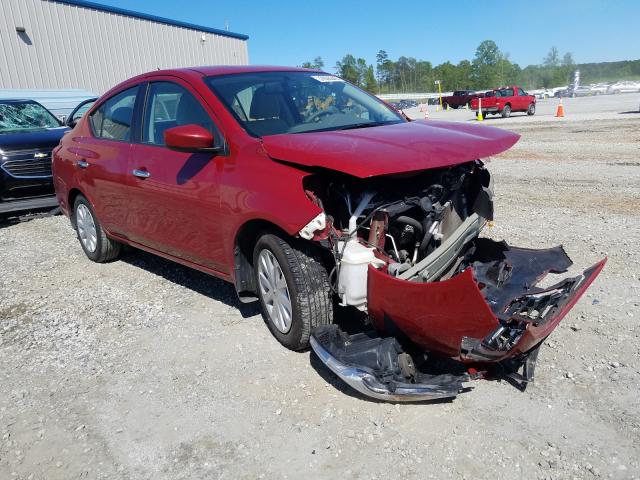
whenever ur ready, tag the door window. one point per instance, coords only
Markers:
(170, 105)
(112, 120)
(521, 92)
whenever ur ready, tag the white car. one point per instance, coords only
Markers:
(599, 89)
(543, 94)
(624, 87)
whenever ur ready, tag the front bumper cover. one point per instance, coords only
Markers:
(491, 313)
(377, 367)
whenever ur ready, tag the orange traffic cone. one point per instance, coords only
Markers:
(560, 110)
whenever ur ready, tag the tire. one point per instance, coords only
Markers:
(307, 288)
(532, 109)
(444, 106)
(95, 243)
(506, 111)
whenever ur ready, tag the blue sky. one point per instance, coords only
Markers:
(288, 32)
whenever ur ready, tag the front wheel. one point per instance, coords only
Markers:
(95, 243)
(506, 111)
(532, 109)
(293, 287)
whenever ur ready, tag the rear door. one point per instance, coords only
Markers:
(174, 202)
(102, 158)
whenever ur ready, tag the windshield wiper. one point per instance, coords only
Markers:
(363, 125)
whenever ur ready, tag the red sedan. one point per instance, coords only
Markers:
(309, 194)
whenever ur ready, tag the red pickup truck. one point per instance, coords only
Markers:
(460, 98)
(505, 100)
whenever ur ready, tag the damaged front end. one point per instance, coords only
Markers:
(407, 252)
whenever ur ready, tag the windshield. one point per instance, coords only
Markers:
(271, 103)
(25, 116)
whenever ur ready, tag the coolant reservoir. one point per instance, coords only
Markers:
(352, 281)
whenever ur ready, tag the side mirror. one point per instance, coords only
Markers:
(190, 138)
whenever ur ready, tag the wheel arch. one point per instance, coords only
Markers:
(245, 240)
(71, 198)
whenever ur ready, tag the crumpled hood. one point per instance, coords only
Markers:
(388, 149)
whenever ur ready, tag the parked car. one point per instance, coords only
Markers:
(599, 89)
(544, 94)
(582, 91)
(624, 87)
(504, 101)
(28, 134)
(460, 98)
(301, 189)
(407, 104)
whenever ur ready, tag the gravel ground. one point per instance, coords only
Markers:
(142, 369)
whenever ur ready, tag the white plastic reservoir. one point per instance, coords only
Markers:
(352, 281)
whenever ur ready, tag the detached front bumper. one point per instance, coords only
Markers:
(491, 311)
(378, 368)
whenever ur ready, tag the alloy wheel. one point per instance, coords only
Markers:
(274, 291)
(86, 228)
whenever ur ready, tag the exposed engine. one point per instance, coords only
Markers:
(399, 223)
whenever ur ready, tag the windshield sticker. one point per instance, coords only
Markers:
(326, 78)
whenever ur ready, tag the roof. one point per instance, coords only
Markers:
(227, 69)
(152, 18)
(215, 70)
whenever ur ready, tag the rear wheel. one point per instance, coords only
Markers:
(293, 287)
(95, 243)
(506, 111)
(532, 109)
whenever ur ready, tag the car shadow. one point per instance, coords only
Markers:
(186, 277)
(194, 164)
(9, 220)
(630, 111)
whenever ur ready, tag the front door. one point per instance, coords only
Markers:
(174, 201)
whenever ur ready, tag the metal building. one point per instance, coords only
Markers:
(61, 44)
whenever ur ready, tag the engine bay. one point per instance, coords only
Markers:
(399, 223)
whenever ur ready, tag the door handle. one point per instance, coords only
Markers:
(141, 173)
(82, 163)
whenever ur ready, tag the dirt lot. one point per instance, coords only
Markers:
(141, 369)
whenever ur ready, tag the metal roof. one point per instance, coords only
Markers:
(152, 18)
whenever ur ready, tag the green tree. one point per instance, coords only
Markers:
(317, 64)
(382, 59)
(567, 60)
(347, 68)
(370, 84)
(553, 58)
(361, 66)
(485, 63)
